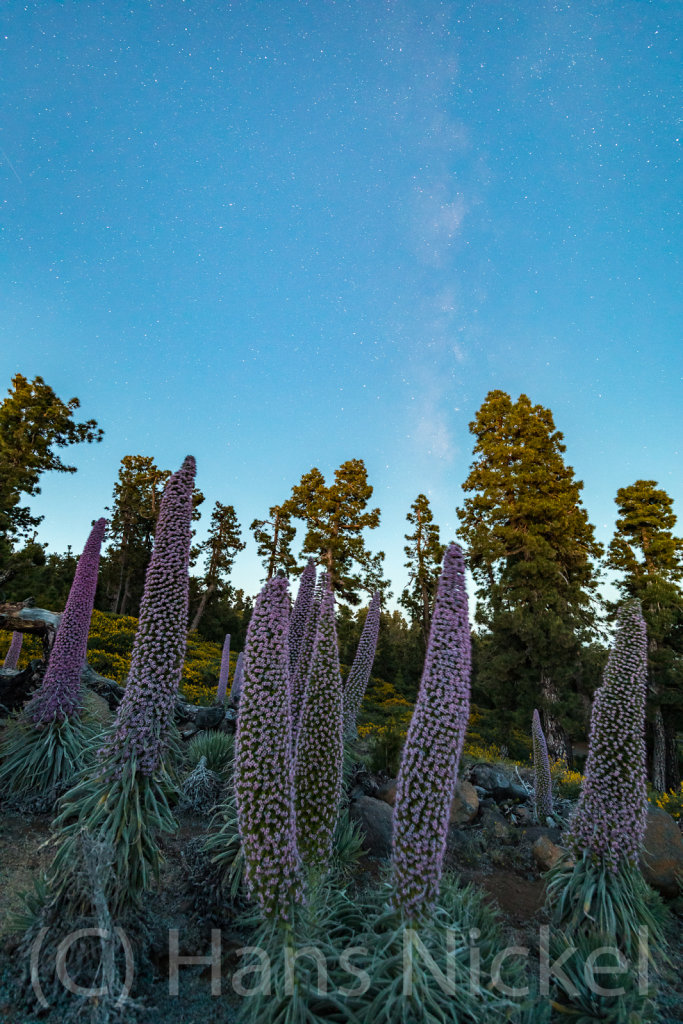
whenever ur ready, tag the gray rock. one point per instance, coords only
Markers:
(210, 718)
(375, 818)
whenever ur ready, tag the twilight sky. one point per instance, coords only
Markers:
(283, 234)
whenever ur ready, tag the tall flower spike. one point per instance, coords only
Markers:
(225, 671)
(59, 695)
(543, 792)
(359, 674)
(320, 746)
(302, 606)
(264, 769)
(426, 779)
(299, 679)
(611, 814)
(236, 688)
(142, 724)
(12, 656)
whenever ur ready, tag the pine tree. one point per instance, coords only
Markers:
(531, 548)
(649, 559)
(273, 538)
(222, 546)
(336, 517)
(34, 423)
(425, 554)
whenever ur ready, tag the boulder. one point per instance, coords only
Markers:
(661, 859)
(210, 718)
(546, 853)
(465, 804)
(375, 819)
(496, 781)
(387, 792)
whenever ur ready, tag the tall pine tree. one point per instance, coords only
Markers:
(531, 550)
(274, 538)
(335, 517)
(221, 547)
(649, 559)
(425, 554)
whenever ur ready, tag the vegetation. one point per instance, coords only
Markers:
(532, 552)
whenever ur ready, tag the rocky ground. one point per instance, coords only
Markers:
(493, 843)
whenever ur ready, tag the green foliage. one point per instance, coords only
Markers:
(34, 422)
(587, 897)
(218, 749)
(530, 550)
(274, 538)
(425, 554)
(43, 761)
(221, 547)
(335, 519)
(129, 813)
(386, 745)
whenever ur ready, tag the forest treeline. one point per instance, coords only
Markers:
(530, 547)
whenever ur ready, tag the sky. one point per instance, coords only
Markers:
(277, 235)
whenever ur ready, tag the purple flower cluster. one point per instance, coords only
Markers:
(59, 695)
(142, 724)
(236, 687)
(429, 765)
(224, 672)
(264, 764)
(12, 656)
(320, 746)
(359, 674)
(543, 790)
(300, 612)
(299, 678)
(611, 814)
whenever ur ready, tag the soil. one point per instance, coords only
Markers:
(490, 854)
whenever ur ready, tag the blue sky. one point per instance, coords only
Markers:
(283, 234)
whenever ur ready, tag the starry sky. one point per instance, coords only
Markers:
(283, 234)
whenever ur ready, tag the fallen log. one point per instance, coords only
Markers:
(22, 618)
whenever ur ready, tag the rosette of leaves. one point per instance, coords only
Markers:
(264, 764)
(125, 798)
(320, 746)
(359, 673)
(543, 791)
(48, 743)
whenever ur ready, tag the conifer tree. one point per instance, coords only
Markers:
(335, 517)
(649, 558)
(221, 547)
(425, 553)
(274, 538)
(531, 550)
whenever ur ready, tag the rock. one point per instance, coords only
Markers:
(522, 815)
(546, 853)
(465, 804)
(662, 857)
(375, 818)
(387, 792)
(496, 781)
(210, 718)
(188, 731)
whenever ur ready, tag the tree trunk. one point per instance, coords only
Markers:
(202, 606)
(673, 772)
(658, 752)
(126, 595)
(559, 745)
(38, 621)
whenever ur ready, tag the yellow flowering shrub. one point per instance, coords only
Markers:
(566, 781)
(671, 802)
